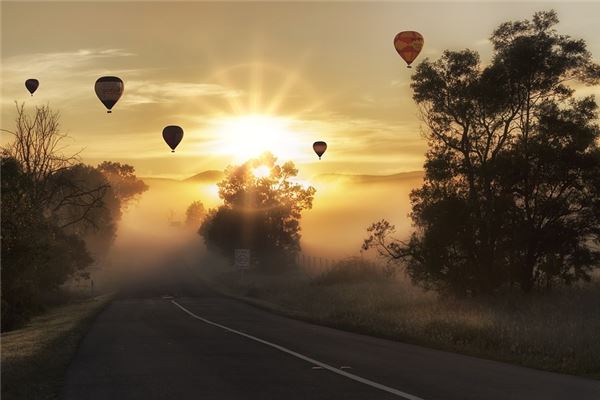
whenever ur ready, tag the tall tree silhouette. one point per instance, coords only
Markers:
(56, 212)
(260, 211)
(511, 194)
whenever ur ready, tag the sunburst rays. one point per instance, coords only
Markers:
(265, 115)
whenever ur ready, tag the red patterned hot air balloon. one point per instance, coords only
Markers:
(319, 148)
(32, 85)
(172, 135)
(408, 44)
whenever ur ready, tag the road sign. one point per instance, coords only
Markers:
(241, 258)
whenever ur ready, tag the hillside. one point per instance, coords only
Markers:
(206, 176)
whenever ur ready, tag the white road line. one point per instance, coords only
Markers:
(305, 358)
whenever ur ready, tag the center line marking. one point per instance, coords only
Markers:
(335, 370)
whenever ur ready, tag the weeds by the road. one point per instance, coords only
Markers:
(557, 331)
(35, 358)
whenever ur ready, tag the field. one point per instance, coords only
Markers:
(556, 331)
(35, 358)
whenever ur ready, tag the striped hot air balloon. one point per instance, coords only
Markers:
(109, 90)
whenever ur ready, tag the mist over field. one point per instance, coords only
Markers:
(153, 227)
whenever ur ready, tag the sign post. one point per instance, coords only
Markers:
(241, 259)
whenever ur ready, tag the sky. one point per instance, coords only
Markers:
(243, 78)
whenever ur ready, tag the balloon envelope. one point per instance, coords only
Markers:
(32, 85)
(109, 90)
(319, 148)
(408, 44)
(172, 135)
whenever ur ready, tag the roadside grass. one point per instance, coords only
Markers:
(35, 357)
(556, 331)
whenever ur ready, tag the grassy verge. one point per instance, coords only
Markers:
(35, 358)
(557, 331)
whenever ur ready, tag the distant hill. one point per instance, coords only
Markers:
(157, 179)
(213, 176)
(206, 176)
(402, 176)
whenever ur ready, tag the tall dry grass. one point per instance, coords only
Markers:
(557, 331)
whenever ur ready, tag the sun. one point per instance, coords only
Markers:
(248, 136)
(261, 171)
(271, 110)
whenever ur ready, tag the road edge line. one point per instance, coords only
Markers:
(328, 367)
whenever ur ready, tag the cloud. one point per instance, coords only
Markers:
(77, 70)
(370, 138)
(397, 83)
(146, 92)
(58, 62)
(65, 75)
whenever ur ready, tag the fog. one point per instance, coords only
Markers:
(152, 231)
(344, 206)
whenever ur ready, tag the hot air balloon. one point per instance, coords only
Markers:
(109, 90)
(408, 44)
(32, 85)
(319, 148)
(172, 135)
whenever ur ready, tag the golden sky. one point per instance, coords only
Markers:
(241, 78)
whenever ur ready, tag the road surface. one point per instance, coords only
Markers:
(164, 339)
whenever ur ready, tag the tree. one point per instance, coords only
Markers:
(261, 211)
(511, 191)
(38, 146)
(121, 177)
(37, 255)
(194, 214)
(55, 212)
(124, 187)
(95, 223)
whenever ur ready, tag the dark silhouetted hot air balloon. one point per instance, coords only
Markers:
(32, 85)
(109, 90)
(172, 135)
(319, 148)
(408, 44)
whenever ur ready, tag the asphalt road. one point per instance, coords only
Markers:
(164, 339)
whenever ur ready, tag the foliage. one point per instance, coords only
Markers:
(38, 146)
(55, 212)
(92, 218)
(123, 181)
(261, 213)
(194, 214)
(511, 193)
(37, 255)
